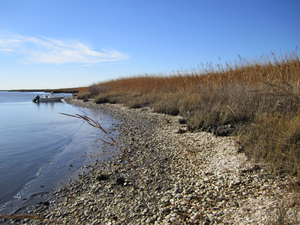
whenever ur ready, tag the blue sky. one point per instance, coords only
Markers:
(71, 43)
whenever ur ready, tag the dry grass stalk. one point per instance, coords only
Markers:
(96, 124)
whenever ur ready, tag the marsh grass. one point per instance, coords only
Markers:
(253, 95)
(84, 95)
(275, 139)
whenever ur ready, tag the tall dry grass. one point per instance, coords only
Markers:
(260, 96)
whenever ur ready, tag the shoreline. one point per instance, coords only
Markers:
(191, 177)
(62, 151)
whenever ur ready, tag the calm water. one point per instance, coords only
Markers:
(39, 148)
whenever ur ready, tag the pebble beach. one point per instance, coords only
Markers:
(165, 175)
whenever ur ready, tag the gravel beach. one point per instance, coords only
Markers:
(174, 177)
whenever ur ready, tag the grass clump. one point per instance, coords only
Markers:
(96, 89)
(112, 98)
(92, 91)
(84, 95)
(275, 139)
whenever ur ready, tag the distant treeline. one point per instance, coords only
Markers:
(61, 90)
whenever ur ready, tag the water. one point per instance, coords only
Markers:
(39, 148)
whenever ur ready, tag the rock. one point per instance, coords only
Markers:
(180, 131)
(182, 121)
(120, 181)
(102, 177)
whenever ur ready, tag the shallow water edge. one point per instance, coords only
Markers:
(79, 150)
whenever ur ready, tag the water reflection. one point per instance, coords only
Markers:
(48, 104)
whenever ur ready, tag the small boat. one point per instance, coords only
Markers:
(49, 98)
